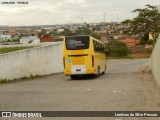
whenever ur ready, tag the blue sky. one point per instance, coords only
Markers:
(49, 12)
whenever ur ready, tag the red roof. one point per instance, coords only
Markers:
(130, 41)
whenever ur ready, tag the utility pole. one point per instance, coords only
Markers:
(117, 22)
(81, 20)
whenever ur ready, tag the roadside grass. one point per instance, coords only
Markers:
(2, 81)
(31, 77)
(11, 49)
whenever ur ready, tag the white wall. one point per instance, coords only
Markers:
(155, 62)
(24, 45)
(36, 61)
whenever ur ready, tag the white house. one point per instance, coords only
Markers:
(5, 37)
(29, 39)
(60, 30)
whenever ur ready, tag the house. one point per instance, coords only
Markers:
(5, 37)
(29, 39)
(104, 39)
(60, 30)
(3, 32)
(130, 41)
(46, 38)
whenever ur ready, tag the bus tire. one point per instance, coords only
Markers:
(98, 72)
(73, 77)
(104, 70)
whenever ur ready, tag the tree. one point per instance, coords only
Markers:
(43, 32)
(127, 22)
(83, 31)
(66, 32)
(96, 35)
(86, 31)
(147, 20)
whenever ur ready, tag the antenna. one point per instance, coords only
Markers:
(81, 20)
(117, 17)
(117, 20)
(104, 17)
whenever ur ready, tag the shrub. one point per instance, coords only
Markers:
(116, 49)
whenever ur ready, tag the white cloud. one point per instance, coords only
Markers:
(69, 11)
(75, 1)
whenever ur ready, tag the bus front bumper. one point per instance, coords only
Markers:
(80, 72)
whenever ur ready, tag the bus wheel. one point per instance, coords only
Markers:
(73, 77)
(98, 73)
(104, 70)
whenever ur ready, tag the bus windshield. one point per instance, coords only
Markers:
(77, 42)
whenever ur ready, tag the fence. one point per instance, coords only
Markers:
(140, 49)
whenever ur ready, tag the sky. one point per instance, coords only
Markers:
(51, 12)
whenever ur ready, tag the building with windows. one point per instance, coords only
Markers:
(5, 37)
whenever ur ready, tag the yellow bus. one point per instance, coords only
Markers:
(83, 54)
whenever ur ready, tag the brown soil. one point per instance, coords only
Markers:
(141, 55)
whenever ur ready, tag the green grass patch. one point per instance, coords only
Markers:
(31, 77)
(11, 49)
(3, 81)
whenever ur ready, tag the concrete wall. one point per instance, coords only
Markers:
(24, 45)
(42, 60)
(155, 62)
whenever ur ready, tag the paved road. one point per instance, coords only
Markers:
(125, 86)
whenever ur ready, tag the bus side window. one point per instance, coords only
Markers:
(103, 49)
(94, 45)
(100, 48)
(96, 48)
